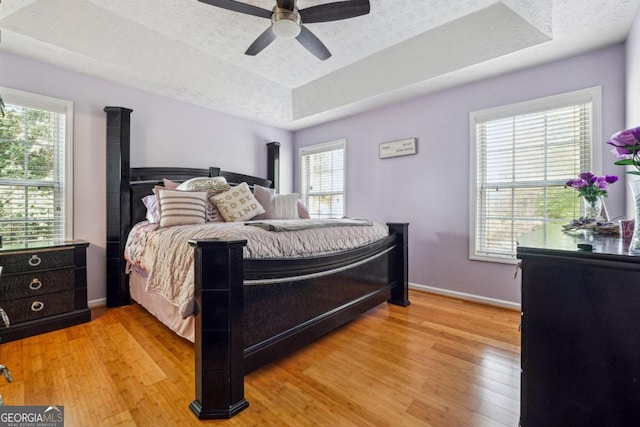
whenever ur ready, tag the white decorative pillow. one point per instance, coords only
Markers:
(237, 204)
(150, 202)
(182, 207)
(285, 206)
(276, 206)
(215, 184)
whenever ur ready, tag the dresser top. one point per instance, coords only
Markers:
(552, 240)
(42, 245)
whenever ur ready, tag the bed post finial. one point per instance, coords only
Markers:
(273, 164)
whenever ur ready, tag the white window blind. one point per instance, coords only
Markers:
(523, 156)
(322, 176)
(35, 193)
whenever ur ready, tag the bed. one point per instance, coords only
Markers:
(248, 311)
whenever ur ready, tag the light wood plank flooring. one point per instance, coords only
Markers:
(438, 362)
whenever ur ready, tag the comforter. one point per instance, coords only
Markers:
(165, 257)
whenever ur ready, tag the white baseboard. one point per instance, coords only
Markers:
(467, 297)
(102, 302)
(97, 303)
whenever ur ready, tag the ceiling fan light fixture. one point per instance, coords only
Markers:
(285, 23)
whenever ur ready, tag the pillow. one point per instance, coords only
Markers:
(237, 203)
(182, 207)
(303, 212)
(215, 184)
(276, 206)
(151, 203)
(264, 196)
(212, 185)
(169, 185)
(285, 206)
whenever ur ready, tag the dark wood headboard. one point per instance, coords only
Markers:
(127, 186)
(143, 180)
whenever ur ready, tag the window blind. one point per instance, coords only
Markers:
(32, 172)
(322, 172)
(522, 164)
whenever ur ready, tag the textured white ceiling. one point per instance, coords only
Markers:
(194, 52)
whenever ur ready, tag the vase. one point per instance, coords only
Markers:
(593, 208)
(634, 246)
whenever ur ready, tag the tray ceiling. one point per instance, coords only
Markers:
(194, 52)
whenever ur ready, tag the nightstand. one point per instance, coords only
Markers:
(43, 288)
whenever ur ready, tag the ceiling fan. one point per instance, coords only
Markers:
(287, 21)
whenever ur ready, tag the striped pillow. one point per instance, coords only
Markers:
(182, 207)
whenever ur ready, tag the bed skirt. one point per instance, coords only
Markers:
(160, 307)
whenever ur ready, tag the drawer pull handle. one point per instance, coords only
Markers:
(37, 306)
(35, 261)
(35, 284)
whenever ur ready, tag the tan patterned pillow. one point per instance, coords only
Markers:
(182, 207)
(237, 204)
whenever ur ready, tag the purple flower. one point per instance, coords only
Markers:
(621, 153)
(589, 177)
(591, 186)
(601, 183)
(626, 138)
(577, 183)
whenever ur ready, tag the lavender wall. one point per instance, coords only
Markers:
(164, 133)
(431, 189)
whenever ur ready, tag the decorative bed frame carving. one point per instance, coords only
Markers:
(317, 294)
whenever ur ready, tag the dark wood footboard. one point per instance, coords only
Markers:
(233, 336)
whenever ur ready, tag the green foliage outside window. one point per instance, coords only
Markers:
(28, 182)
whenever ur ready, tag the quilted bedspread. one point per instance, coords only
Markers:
(165, 255)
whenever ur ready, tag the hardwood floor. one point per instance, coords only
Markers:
(438, 362)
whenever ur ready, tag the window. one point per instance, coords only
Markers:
(35, 169)
(322, 176)
(521, 157)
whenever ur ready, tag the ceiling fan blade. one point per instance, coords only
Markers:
(286, 4)
(239, 7)
(335, 11)
(313, 44)
(261, 42)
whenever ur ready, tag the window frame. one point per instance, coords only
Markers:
(321, 148)
(592, 94)
(60, 106)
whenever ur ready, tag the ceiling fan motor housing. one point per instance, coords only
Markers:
(286, 23)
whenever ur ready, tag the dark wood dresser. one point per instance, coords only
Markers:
(43, 288)
(580, 331)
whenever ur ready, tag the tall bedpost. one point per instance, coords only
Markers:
(399, 264)
(118, 203)
(219, 346)
(273, 164)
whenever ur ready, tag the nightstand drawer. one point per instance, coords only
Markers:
(36, 283)
(37, 260)
(24, 309)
